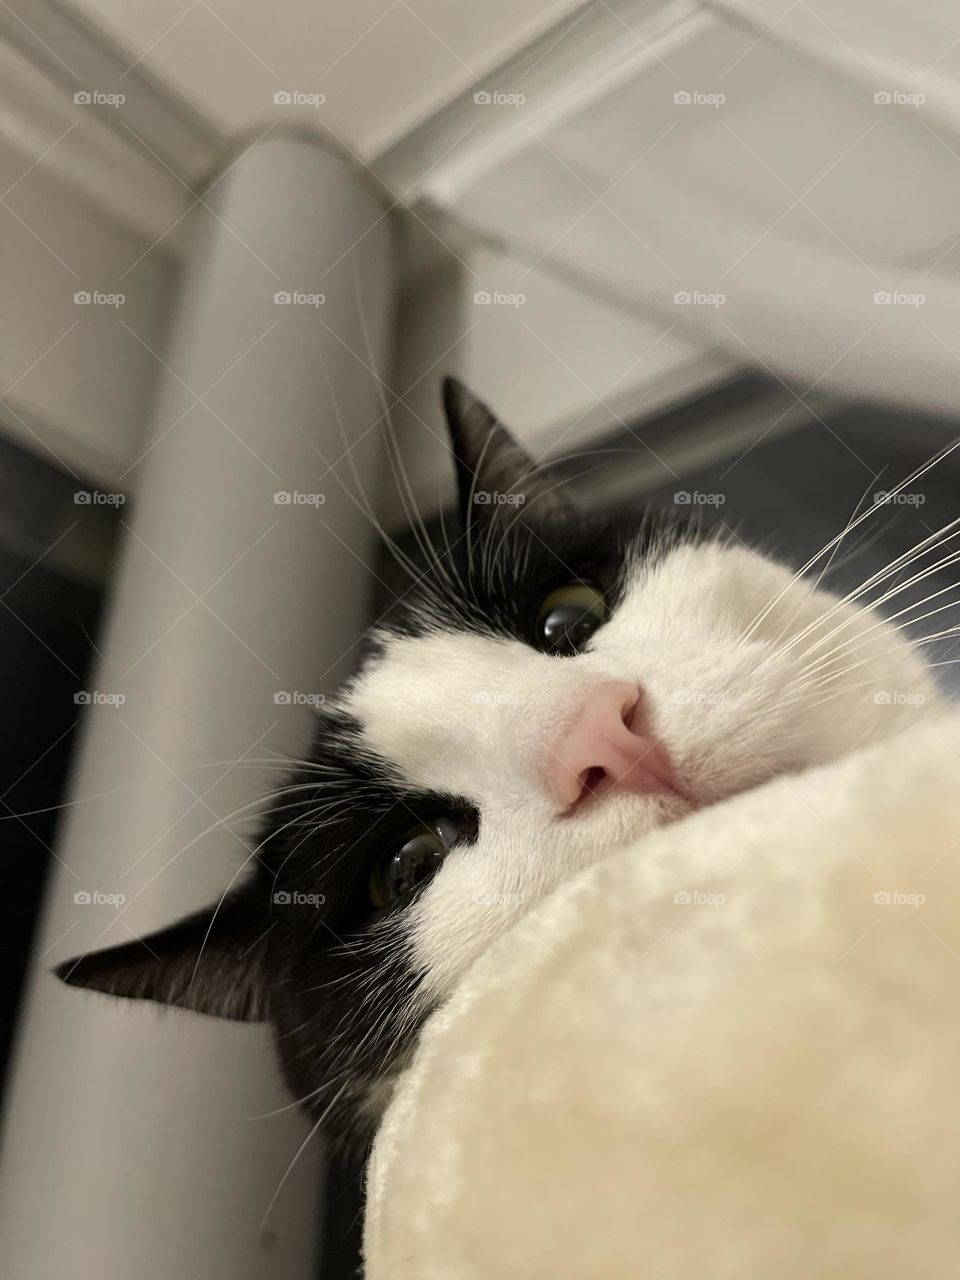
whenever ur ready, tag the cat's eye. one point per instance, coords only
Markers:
(401, 871)
(568, 618)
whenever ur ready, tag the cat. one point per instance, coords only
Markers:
(556, 684)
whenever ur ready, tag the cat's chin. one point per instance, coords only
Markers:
(619, 820)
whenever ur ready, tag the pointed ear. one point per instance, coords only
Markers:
(493, 472)
(212, 962)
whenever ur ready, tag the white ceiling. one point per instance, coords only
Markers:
(382, 65)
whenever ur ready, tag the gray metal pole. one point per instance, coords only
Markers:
(132, 1143)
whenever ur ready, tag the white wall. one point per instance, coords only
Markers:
(80, 211)
(382, 65)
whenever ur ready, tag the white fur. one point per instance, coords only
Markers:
(729, 1053)
(480, 717)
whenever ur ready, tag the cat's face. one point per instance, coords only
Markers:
(557, 685)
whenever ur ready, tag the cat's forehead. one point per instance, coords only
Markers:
(491, 577)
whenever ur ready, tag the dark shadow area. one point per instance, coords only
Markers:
(793, 495)
(55, 559)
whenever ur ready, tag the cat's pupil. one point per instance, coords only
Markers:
(417, 860)
(567, 628)
(398, 874)
(569, 617)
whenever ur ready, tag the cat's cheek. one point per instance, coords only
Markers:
(483, 890)
(480, 893)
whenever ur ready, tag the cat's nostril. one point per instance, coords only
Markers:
(607, 749)
(592, 780)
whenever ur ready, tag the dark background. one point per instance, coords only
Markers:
(56, 558)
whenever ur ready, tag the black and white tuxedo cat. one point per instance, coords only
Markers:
(557, 683)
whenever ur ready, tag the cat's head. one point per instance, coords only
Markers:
(553, 684)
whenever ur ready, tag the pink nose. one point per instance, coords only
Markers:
(606, 749)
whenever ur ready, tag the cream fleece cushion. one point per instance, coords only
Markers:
(732, 1050)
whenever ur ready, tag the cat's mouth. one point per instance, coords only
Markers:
(649, 773)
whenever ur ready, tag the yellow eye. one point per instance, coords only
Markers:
(398, 873)
(568, 618)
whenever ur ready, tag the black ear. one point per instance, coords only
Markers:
(211, 962)
(493, 473)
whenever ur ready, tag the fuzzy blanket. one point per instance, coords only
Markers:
(732, 1050)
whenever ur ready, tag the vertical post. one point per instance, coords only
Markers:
(133, 1145)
